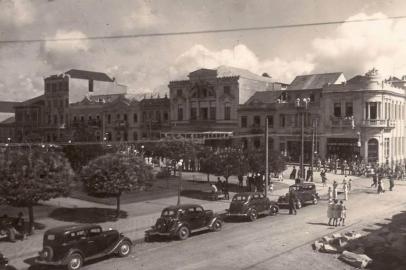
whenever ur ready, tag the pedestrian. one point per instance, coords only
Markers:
(336, 213)
(225, 190)
(280, 176)
(270, 187)
(330, 215)
(342, 209)
(374, 180)
(292, 202)
(309, 175)
(349, 184)
(330, 194)
(380, 186)
(335, 185)
(345, 190)
(293, 173)
(391, 182)
(323, 177)
(19, 225)
(240, 181)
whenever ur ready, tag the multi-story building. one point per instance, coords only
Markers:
(7, 121)
(155, 117)
(46, 117)
(208, 100)
(361, 117)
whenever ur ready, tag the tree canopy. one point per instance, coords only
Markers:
(115, 173)
(28, 176)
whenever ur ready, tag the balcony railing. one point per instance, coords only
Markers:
(380, 123)
(340, 122)
(121, 124)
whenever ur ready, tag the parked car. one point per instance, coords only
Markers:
(4, 263)
(72, 245)
(181, 220)
(305, 193)
(251, 205)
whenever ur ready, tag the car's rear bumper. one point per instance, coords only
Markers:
(156, 233)
(237, 214)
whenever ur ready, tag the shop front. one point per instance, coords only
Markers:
(343, 148)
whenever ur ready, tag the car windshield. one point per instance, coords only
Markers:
(168, 213)
(242, 198)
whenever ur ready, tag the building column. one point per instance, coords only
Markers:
(322, 146)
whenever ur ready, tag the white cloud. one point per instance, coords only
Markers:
(357, 47)
(142, 16)
(241, 57)
(16, 12)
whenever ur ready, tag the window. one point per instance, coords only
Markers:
(125, 136)
(90, 85)
(118, 116)
(55, 119)
(180, 113)
(82, 118)
(212, 113)
(227, 112)
(243, 121)
(373, 108)
(270, 121)
(179, 92)
(257, 143)
(158, 116)
(193, 114)
(135, 118)
(125, 117)
(227, 90)
(89, 118)
(74, 118)
(135, 136)
(94, 231)
(204, 114)
(166, 116)
(337, 109)
(257, 120)
(109, 118)
(348, 109)
(312, 98)
(282, 120)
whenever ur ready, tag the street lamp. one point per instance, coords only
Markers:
(179, 165)
(302, 106)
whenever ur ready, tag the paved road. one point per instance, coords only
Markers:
(280, 242)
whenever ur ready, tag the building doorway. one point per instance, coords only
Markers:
(343, 148)
(373, 150)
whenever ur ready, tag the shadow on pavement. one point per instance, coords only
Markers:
(385, 246)
(86, 215)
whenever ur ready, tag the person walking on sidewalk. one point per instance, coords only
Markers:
(292, 202)
(293, 173)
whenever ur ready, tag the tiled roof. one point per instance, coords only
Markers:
(264, 97)
(31, 101)
(314, 81)
(89, 75)
(8, 106)
(226, 71)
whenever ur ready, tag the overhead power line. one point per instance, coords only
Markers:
(208, 31)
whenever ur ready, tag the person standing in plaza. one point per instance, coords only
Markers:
(330, 194)
(293, 173)
(342, 212)
(345, 190)
(349, 185)
(335, 185)
(380, 186)
(374, 180)
(336, 214)
(330, 210)
(323, 177)
(391, 182)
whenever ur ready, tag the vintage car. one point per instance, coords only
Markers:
(305, 193)
(4, 263)
(72, 245)
(251, 204)
(181, 220)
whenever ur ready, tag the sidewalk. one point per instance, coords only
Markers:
(141, 215)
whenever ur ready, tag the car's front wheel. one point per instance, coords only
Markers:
(217, 225)
(75, 261)
(273, 210)
(253, 215)
(124, 249)
(183, 233)
(315, 201)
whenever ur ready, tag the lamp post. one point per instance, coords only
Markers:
(266, 155)
(179, 165)
(302, 106)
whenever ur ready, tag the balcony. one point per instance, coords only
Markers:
(341, 122)
(378, 123)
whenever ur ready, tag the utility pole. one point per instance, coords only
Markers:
(266, 155)
(302, 172)
(180, 165)
(314, 124)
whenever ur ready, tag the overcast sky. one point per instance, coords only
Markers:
(148, 64)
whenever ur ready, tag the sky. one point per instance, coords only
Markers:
(148, 64)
